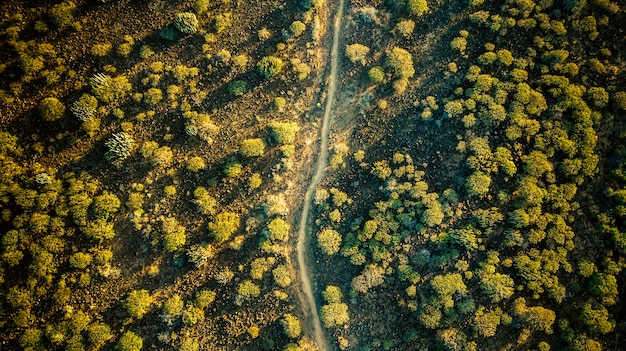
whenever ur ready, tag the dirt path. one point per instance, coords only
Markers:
(303, 240)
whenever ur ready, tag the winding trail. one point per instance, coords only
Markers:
(322, 160)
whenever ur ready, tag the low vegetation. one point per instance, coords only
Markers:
(154, 159)
(135, 166)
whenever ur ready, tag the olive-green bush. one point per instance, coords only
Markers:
(51, 109)
(252, 147)
(186, 22)
(269, 66)
(224, 225)
(129, 341)
(138, 303)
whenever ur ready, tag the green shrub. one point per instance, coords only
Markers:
(417, 7)
(280, 102)
(376, 74)
(291, 325)
(222, 57)
(264, 34)
(182, 73)
(400, 86)
(172, 308)
(101, 50)
(138, 303)
(192, 315)
(247, 289)
(297, 28)
(598, 96)
(12, 257)
(255, 181)
(505, 57)
(80, 260)
(8, 143)
(224, 225)
(105, 205)
(454, 339)
(99, 333)
(536, 163)
(31, 339)
(405, 28)
(162, 156)
(596, 66)
(75, 343)
(334, 314)
(233, 169)
(269, 66)
(284, 132)
(586, 268)
(238, 87)
(433, 215)
(448, 284)
(329, 241)
(597, 319)
(19, 298)
(554, 57)
(478, 183)
(253, 331)
(222, 22)
(129, 341)
(459, 43)
(537, 318)
(145, 52)
(259, 266)
(332, 294)
(124, 49)
(204, 298)
(51, 109)
(278, 230)
(282, 277)
(400, 62)
(540, 319)
(487, 58)
(196, 164)
(381, 169)
(200, 125)
(357, 53)
(62, 14)
(206, 203)
(485, 323)
(188, 344)
(201, 6)
(173, 241)
(99, 229)
(585, 343)
(301, 68)
(292, 346)
(148, 148)
(186, 22)
(620, 99)
(604, 285)
(454, 108)
(308, 4)
(174, 234)
(252, 147)
(153, 96)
